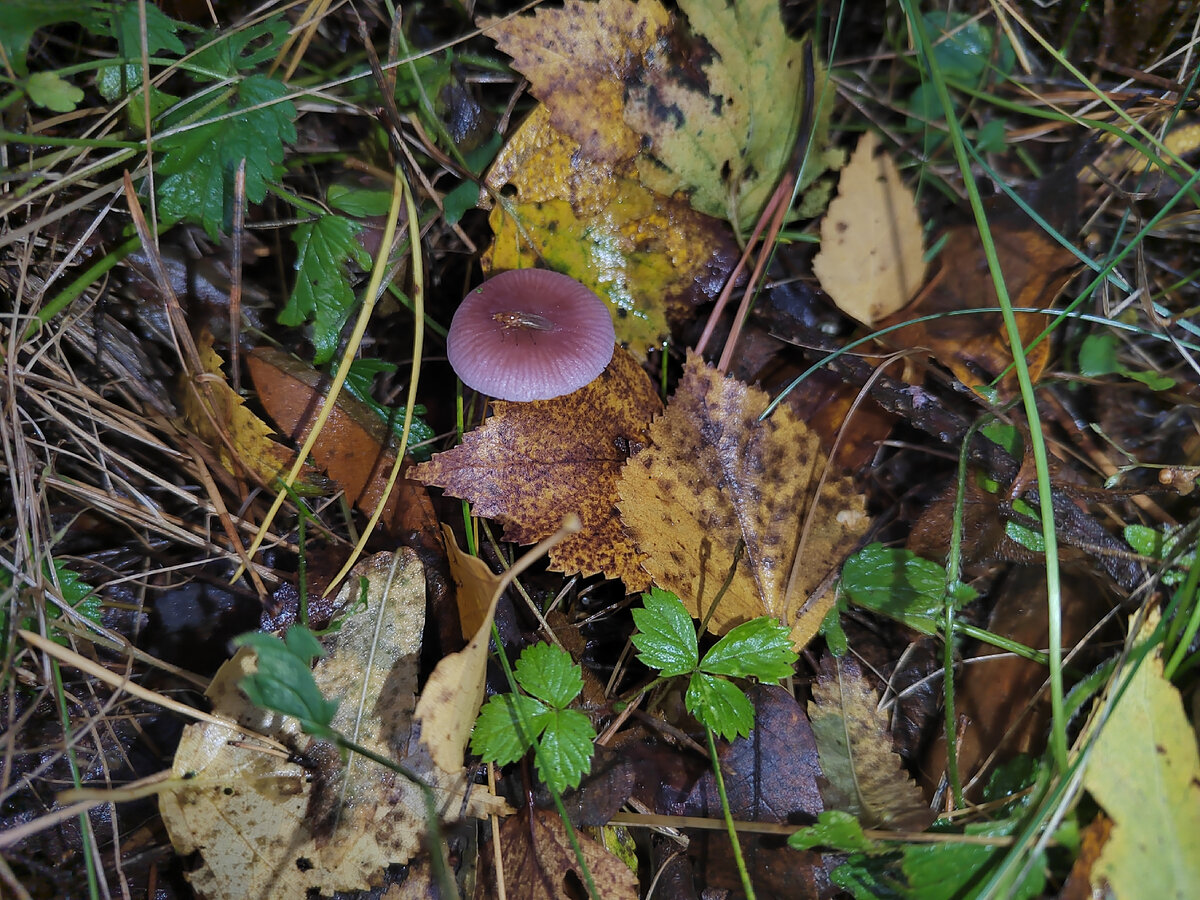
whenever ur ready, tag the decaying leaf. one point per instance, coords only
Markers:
(652, 258)
(863, 772)
(871, 260)
(975, 348)
(1145, 771)
(577, 60)
(531, 463)
(539, 863)
(263, 826)
(241, 439)
(713, 477)
(722, 130)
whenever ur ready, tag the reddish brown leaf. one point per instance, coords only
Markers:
(975, 348)
(532, 463)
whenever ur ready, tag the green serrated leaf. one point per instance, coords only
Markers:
(197, 165)
(323, 293)
(720, 705)
(548, 673)
(50, 91)
(161, 30)
(507, 726)
(901, 585)
(760, 648)
(564, 753)
(284, 681)
(242, 48)
(836, 830)
(359, 384)
(666, 637)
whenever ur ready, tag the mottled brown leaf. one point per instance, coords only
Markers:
(577, 60)
(715, 476)
(862, 771)
(539, 863)
(532, 463)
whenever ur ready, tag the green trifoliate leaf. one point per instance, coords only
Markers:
(759, 648)
(720, 705)
(549, 673)
(507, 726)
(666, 637)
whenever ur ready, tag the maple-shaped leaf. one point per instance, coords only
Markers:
(862, 771)
(577, 60)
(532, 463)
(715, 476)
(723, 131)
(651, 258)
(872, 257)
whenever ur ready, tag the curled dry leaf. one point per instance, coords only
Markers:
(715, 476)
(871, 260)
(531, 463)
(266, 827)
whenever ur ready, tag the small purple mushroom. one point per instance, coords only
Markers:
(530, 334)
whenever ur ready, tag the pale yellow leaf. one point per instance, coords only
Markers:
(871, 260)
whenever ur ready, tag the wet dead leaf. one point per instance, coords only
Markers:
(577, 60)
(651, 258)
(863, 773)
(714, 476)
(241, 439)
(871, 260)
(539, 863)
(355, 447)
(531, 463)
(975, 348)
(266, 827)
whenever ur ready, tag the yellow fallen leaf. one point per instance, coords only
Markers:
(714, 477)
(871, 260)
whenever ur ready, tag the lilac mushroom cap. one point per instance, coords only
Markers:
(530, 334)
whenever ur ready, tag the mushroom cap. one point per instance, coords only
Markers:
(530, 334)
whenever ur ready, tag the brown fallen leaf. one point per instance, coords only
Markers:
(862, 772)
(714, 477)
(871, 260)
(975, 348)
(266, 827)
(531, 463)
(539, 863)
(355, 447)
(771, 775)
